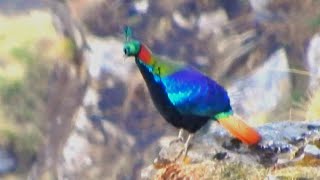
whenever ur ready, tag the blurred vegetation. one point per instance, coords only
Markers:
(227, 171)
(240, 171)
(25, 61)
(313, 108)
(300, 22)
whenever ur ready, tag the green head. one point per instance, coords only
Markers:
(134, 48)
(131, 48)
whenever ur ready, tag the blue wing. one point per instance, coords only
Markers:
(192, 92)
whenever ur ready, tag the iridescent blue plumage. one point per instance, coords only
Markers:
(186, 97)
(192, 92)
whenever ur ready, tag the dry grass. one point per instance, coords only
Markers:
(227, 171)
(313, 106)
(211, 170)
(297, 172)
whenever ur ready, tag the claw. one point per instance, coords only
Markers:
(186, 146)
(184, 152)
(179, 138)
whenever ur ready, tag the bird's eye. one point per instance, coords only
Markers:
(126, 50)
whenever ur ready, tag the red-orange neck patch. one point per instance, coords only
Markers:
(145, 54)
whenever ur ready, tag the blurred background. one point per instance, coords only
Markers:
(72, 107)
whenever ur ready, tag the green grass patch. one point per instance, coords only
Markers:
(315, 22)
(25, 42)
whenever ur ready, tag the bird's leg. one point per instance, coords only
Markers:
(180, 135)
(185, 149)
(179, 138)
(186, 145)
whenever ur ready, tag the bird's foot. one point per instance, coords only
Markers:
(182, 155)
(176, 140)
(184, 152)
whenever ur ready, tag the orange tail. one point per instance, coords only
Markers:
(238, 128)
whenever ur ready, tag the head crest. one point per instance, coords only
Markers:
(131, 47)
(127, 32)
(134, 48)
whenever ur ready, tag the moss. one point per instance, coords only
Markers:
(298, 172)
(23, 141)
(240, 171)
(234, 171)
(7, 130)
(21, 98)
(26, 146)
(10, 89)
(313, 110)
(315, 22)
(212, 170)
(22, 54)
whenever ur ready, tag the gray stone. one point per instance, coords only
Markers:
(313, 59)
(261, 10)
(212, 23)
(106, 55)
(282, 143)
(270, 83)
(7, 161)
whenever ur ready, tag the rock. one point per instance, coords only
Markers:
(312, 150)
(8, 161)
(212, 23)
(234, 9)
(261, 10)
(94, 143)
(10, 7)
(283, 143)
(259, 5)
(233, 48)
(272, 80)
(313, 59)
(107, 56)
(183, 22)
(141, 6)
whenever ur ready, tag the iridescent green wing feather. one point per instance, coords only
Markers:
(163, 68)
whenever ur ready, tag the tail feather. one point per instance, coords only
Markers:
(238, 128)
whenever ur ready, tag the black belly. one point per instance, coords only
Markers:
(189, 122)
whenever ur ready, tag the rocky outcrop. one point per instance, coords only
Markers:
(313, 59)
(283, 144)
(272, 79)
(94, 143)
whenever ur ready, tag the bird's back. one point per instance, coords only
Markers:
(192, 92)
